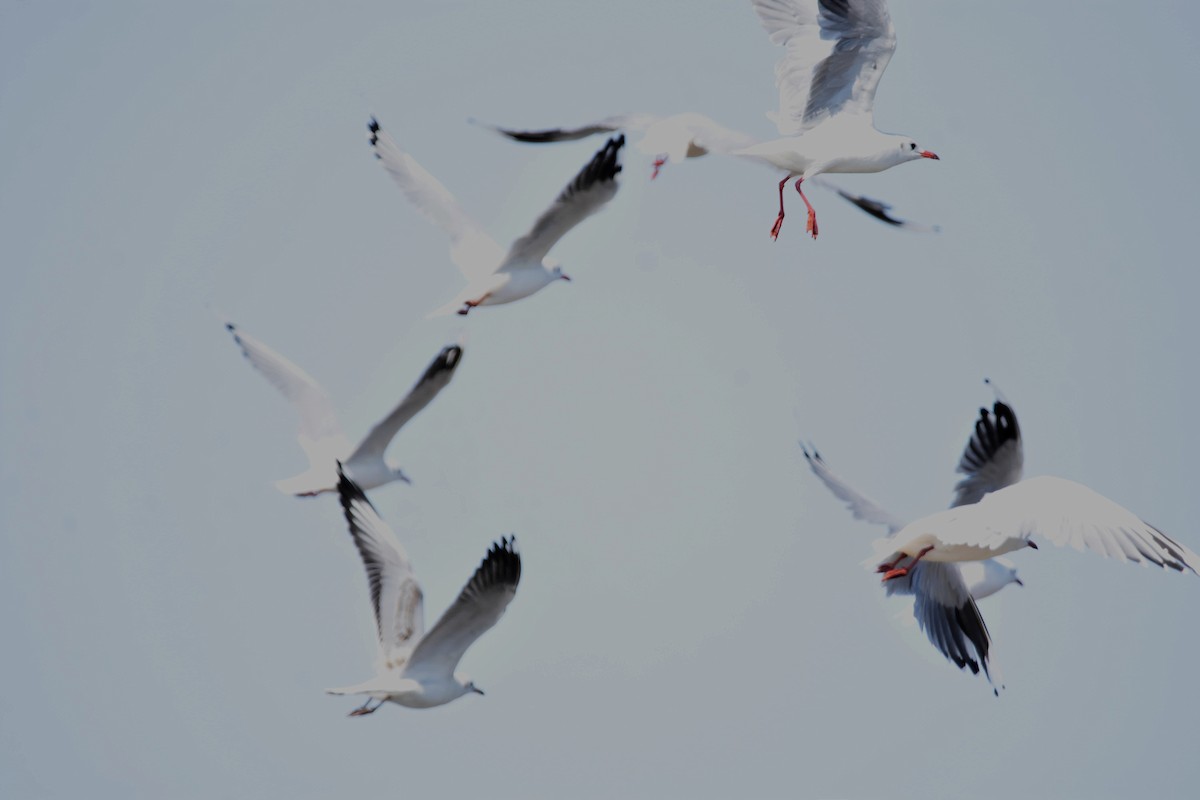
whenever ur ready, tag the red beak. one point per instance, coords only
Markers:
(568, 277)
(930, 154)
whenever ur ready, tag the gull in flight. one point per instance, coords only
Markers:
(320, 432)
(1055, 509)
(677, 137)
(992, 459)
(837, 51)
(493, 276)
(415, 668)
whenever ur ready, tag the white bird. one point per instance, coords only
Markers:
(494, 277)
(1059, 510)
(991, 460)
(837, 51)
(415, 668)
(677, 137)
(320, 432)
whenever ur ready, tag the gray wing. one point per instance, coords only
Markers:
(837, 51)
(479, 606)
(949, 617)
(619, 122)
(320, 432)
(994, 455)
(860, 506)
(877, 209)
(1067, 514)
(474, 252)
(586, 194)
(436, 378)
(395, 594)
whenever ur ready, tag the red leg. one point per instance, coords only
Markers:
(902, 571)
(811, 227)
(469, 304)
(779, 220)
(658, 165)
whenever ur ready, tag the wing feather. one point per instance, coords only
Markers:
(837, 50)
(994, 456)
(479, 606)
(437, 376)
(474, 252)
(586, 194)
(396, 596)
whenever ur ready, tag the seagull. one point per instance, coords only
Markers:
(1058, 510)
(415, 668)
(837, 51)
(320, 432)
(494, 277)
(674, 138)
(991, 460)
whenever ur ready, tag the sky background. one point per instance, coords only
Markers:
(693, 618)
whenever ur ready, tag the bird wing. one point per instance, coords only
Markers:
(876, 208)
(994, 455)
(479, 606)
(1065, 513)
(395, 594)
(949, 617)
(437, 376)
(586, 194)
(618, 122)
(473, 251)
(860, 506)
(837, 51)
(320, 432)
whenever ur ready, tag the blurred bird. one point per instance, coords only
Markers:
(320, 432)
(837, 50)
(494, 277)
(417, 669)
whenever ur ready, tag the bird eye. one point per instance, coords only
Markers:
(912, 145)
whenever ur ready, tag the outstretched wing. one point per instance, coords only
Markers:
(994, 455)
(320, 432)
(474, 252)
(618, 122)
(837, 51)
(1065, 513)
(949, 617)
(479, 606)
(860, 506)
(437, 376)
(586, 194)
(395, 594)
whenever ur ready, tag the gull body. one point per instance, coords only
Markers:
(320, 433)
(416, 668)
(496, 277)
(992, 459)
(927, 551)
(836, 52)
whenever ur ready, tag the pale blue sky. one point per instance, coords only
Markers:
(693, 619)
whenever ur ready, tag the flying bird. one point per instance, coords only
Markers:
(417, 669)
(672, 139)
(493, 276)
(1054, 509)
(992, 459)
(320, 432)
(836, 52)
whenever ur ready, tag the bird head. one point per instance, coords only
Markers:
(912, 151)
